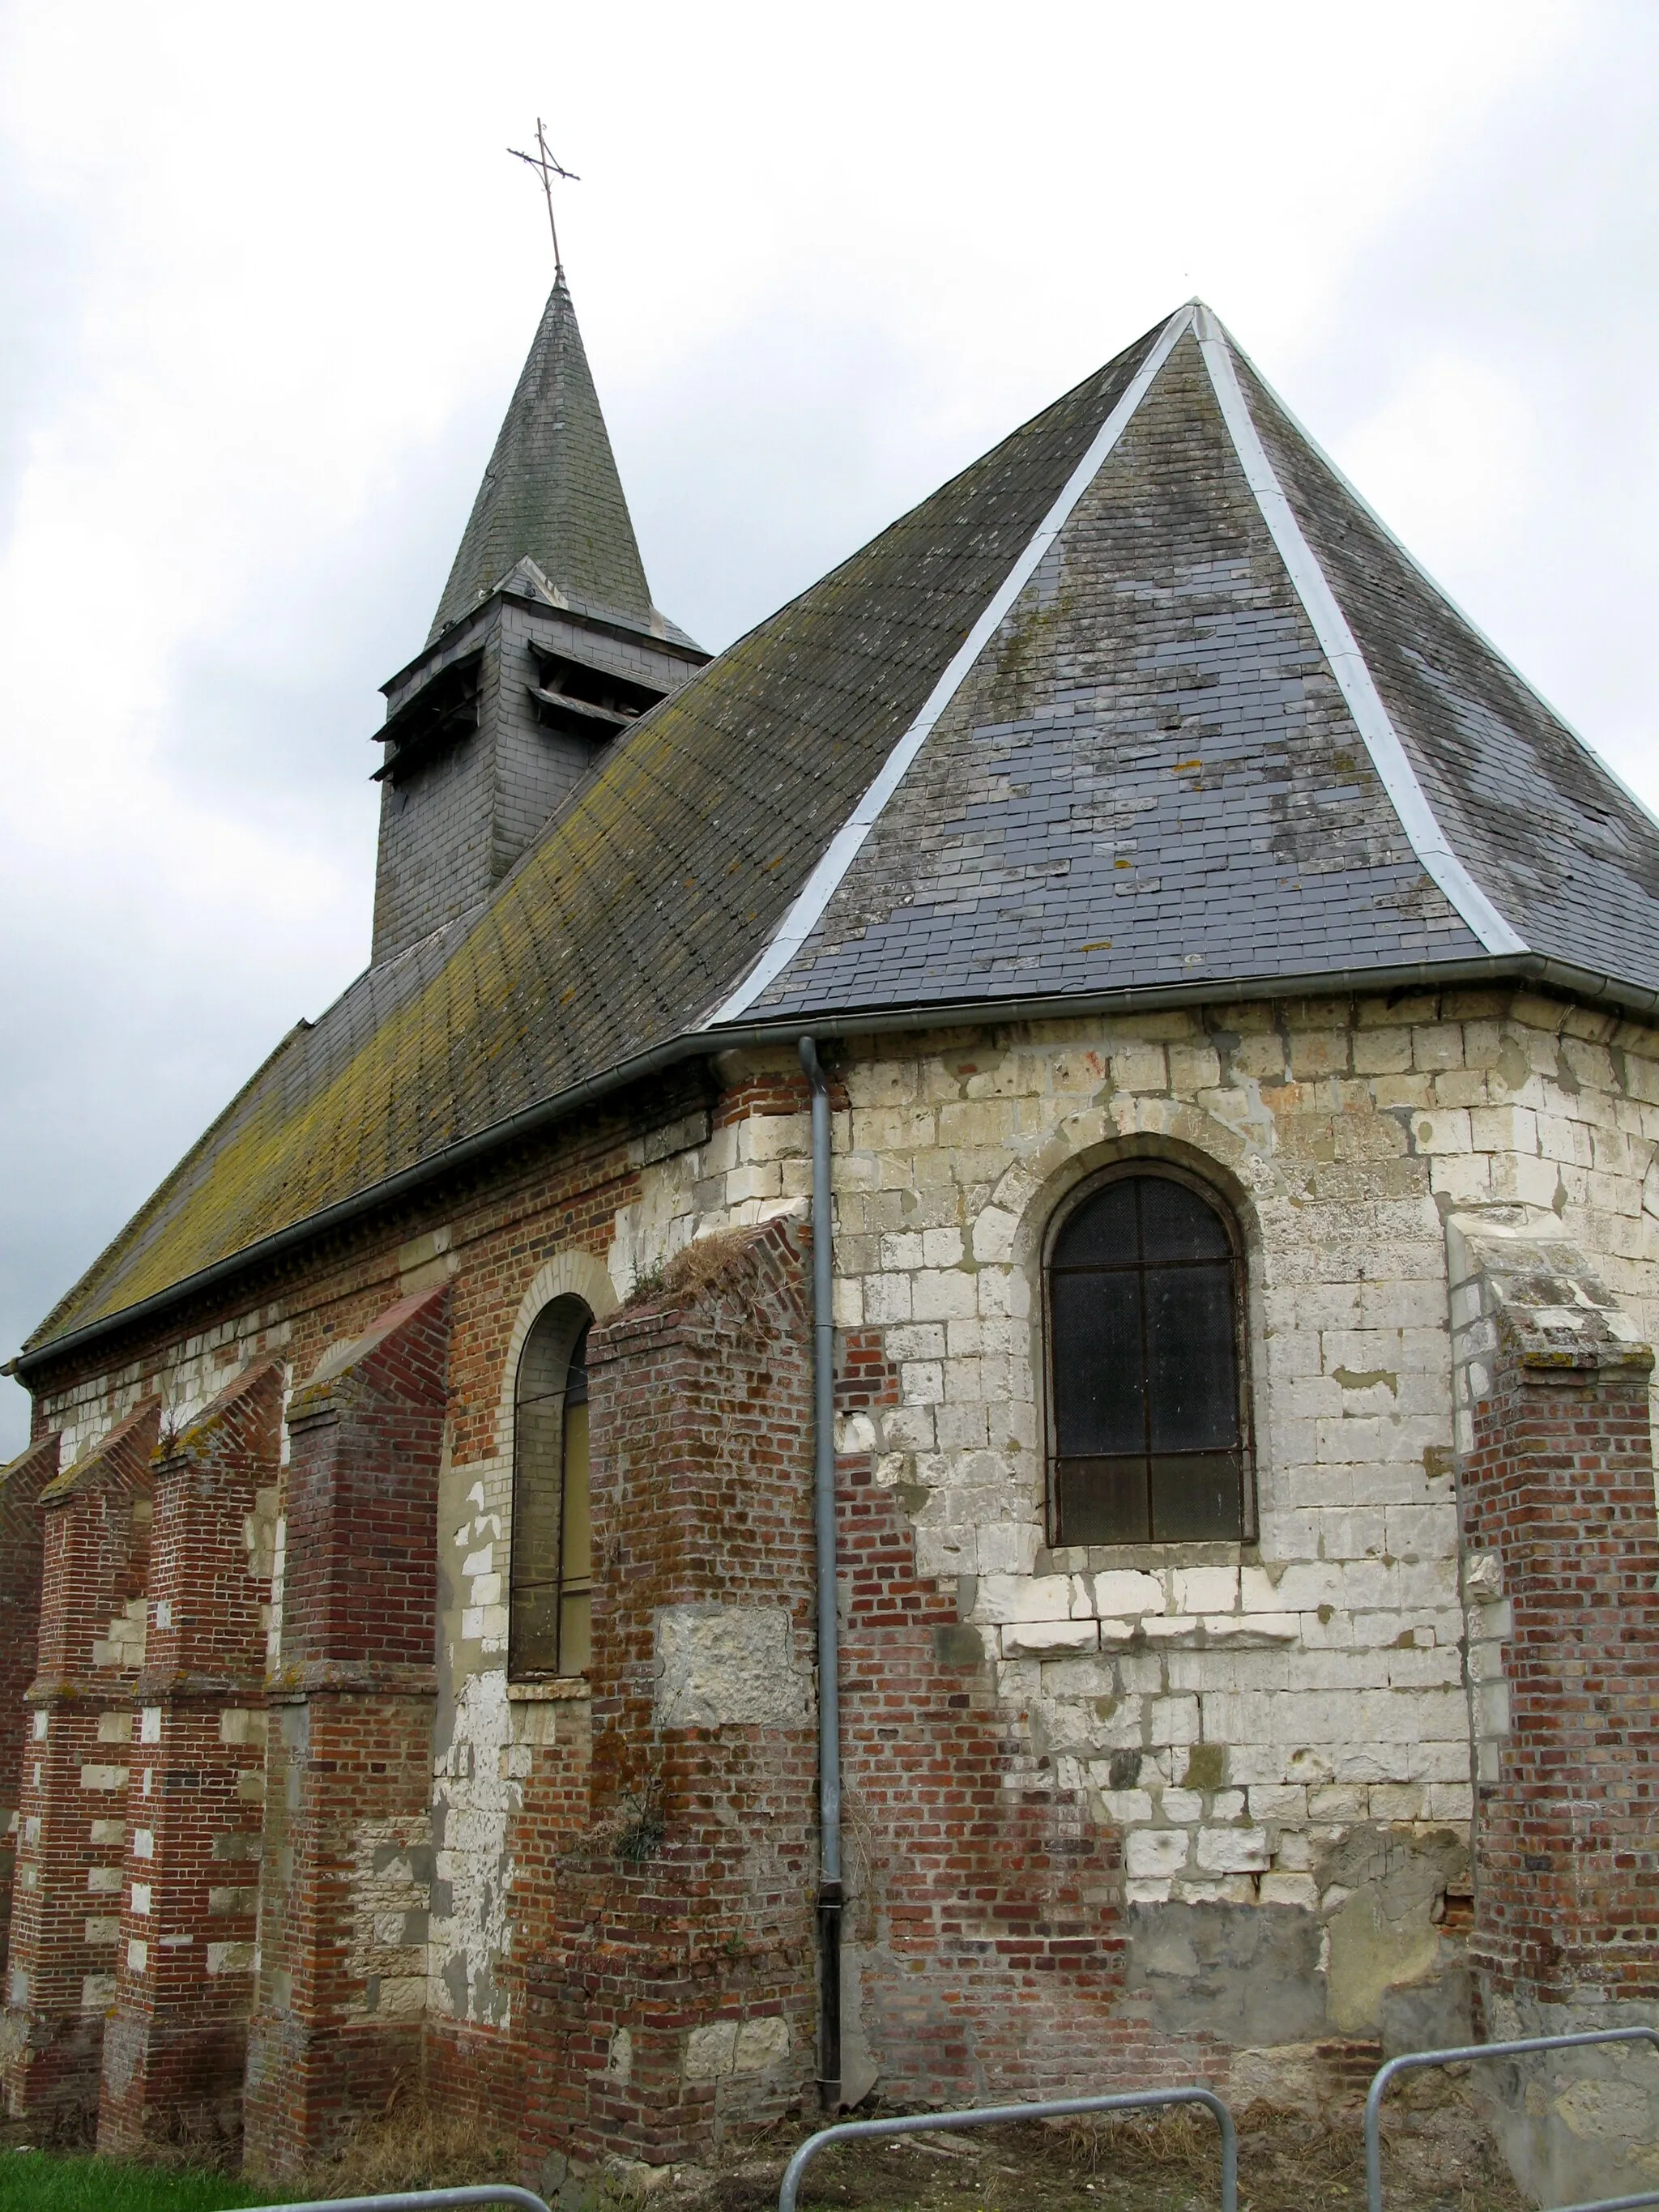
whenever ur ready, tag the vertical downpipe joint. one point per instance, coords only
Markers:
(830, 1898)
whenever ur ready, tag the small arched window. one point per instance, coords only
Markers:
(552, 1565)
(1148, 1406)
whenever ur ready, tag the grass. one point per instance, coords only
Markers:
(35, 2181)
(407, 2147)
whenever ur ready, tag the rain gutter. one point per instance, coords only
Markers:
(697, 1044)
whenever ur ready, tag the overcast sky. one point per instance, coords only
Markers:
(267, 277)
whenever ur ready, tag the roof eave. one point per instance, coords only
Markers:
(533, 1121)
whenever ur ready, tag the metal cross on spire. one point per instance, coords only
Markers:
(544, 163)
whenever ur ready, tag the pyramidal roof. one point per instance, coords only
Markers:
(1214, 722)
(1144, 707)
(551, 493)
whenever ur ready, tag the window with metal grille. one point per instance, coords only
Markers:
(552, 1580)
(1149, 1435)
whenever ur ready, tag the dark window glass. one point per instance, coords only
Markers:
(1144, 1314)
(1099, 1387)
(551, 1577)
(1102, 1232)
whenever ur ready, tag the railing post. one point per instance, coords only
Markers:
(986, 2116)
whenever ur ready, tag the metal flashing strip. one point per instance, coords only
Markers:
(1341, 648)
(820, 887)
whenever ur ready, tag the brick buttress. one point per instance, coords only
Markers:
(346, 1874)
(176, 2047)
(1561, 1582)
(78, 1766)
(676, 1992)
(20, 1549)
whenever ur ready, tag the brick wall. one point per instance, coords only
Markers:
(499, 1779)
(176, 2047)
(984, 1939)
(77, 1769)
(1272, 1736)
(509, 1803)
(346, 1873)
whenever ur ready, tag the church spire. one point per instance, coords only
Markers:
(551, 493)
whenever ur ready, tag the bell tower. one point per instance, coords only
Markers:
(544, 647)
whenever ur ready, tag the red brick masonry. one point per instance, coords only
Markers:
(336, 2023)
(176, 2048)
(77, 1768)
(1560, 1487)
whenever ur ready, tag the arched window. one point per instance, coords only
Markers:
(552, 1566)
(1148, 1411)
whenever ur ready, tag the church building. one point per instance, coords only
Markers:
(939, 1388)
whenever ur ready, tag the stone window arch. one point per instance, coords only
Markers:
(552, 1580)
(1146, 1343)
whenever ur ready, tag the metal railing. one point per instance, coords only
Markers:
(420, 2200)
(1062, 2108)
(990, 2116)
(1463, 2055)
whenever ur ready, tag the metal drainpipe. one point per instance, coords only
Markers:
(824, 1524)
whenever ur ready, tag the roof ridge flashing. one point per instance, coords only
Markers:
(1341, 650)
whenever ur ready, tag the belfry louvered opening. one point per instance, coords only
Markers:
(585, 698)
(440, 714)
(1148, 1387)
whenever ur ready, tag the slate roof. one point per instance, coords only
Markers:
(551, 490)
(1144, 699)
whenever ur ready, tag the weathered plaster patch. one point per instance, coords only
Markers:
(733, 2047)
(1385, 1932)
(1289, 2077)
(728, 1665)
(1576, 2123)
(1249, 1977)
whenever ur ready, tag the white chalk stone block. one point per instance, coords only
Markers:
(1155, 1853)
(1233, 1851)
(1039, 1639)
